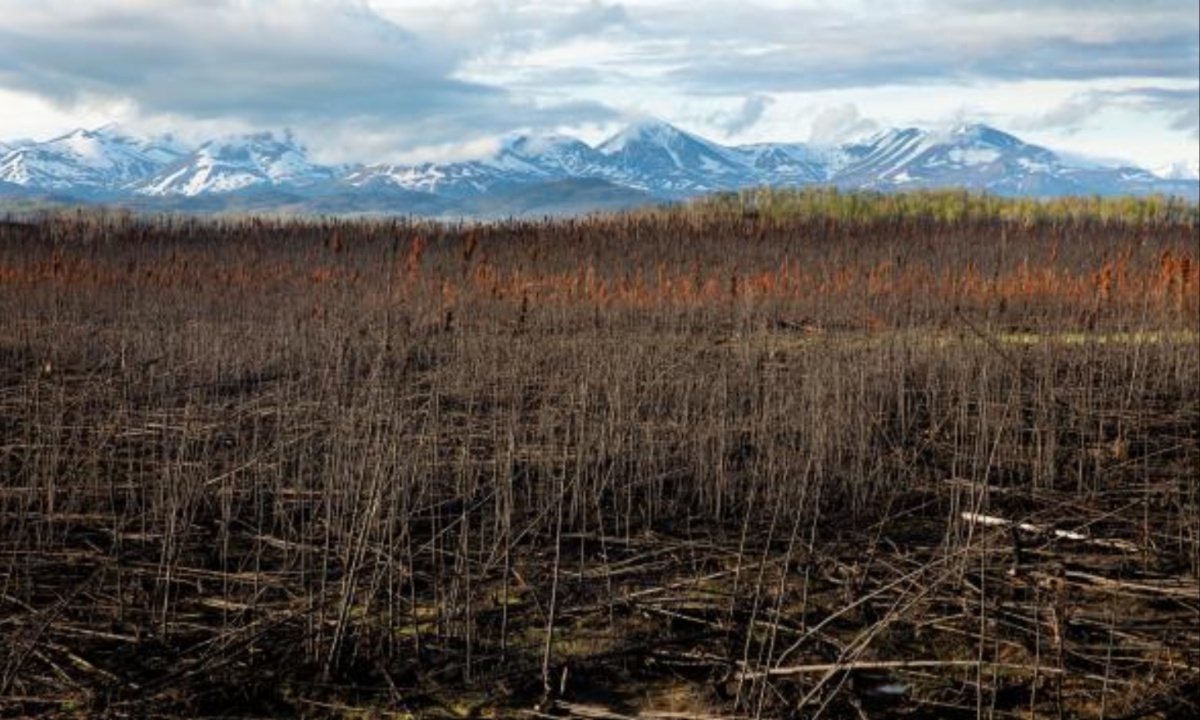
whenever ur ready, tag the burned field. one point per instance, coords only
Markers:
(806, 456)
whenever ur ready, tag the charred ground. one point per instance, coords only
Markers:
(761, 456)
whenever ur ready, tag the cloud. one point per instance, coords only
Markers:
(1091, 7)
(1180, 105)
(875, 61)
(303, 63)
(835, 125)
(593, 18)
(298, 58)
(802, 46)
(745, 117)
(1069, 117)
(413, 73)
(499, 29)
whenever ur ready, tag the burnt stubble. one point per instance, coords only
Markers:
(770, 455)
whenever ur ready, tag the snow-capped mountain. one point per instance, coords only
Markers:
(979, 157)
(786, 164)
(555, 155)
(973, 156)
(520, 160)
(648, 160)
(105, 159)
(657, 157)
(232, 164)
(459, 179)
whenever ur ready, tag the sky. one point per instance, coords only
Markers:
(408, 80)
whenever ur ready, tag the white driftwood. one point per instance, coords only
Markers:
(992, 520)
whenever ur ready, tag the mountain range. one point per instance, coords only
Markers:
(646, 162)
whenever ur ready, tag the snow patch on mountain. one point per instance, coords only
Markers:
(974, 156)
(237, 163)
(102, 159)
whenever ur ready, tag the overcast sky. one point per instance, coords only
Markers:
(415, 79)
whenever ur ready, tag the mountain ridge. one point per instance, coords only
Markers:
(648, 161)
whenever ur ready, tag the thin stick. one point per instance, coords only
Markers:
(886, 665)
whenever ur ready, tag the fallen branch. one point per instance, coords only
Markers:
(993, 521)
(887, 665)
(1180, 588)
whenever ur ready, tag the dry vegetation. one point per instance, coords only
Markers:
(750, 458)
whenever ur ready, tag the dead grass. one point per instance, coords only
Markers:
(697, 463)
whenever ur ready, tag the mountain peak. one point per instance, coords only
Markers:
(238, 162)
(95, 160)
(644, 131)
(108, 131)
(111, 129)
(979, 134)
(970, 128)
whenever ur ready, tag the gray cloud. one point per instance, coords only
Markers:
(1170, 55)
(209, 59)
(1069, 117)
(296, 62)
(1181, 106)
(804, 47)
(1123, 7)
(593, 18)
(885, 61)
(745, 117)
(497, 29)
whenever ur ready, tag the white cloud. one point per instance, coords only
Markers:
(837, 124)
